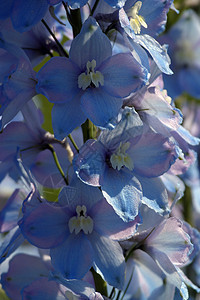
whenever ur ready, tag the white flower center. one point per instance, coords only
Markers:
(91, 76)
(81, 221)
(136, 21)
(120, 158)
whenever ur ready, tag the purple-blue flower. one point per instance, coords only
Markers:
(17, 81)
(91, 83)
(140, 22)
(81, 231)
(184, 40)
(127, 162)
(25, 14)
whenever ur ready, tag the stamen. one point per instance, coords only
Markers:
(136, 21)
(81, 221)
(120, 158)
(91, 76)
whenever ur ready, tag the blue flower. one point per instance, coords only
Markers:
(140, 22)
(31, 141)
(127, 162)
(183, 39)
(81, 232)
(25, 14)
(17, 81)
(91, 83)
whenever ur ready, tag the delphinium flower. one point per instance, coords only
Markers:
(17, 81)
(115, 225)
(25, 14)
(158, 111)
(35, 42)
(33, 277)
(184, 39)
(120, 163)
(91, 83)
(81, 231)
(140, 22)
(33, 145)
(155, 258)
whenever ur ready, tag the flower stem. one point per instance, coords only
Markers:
(100, 284)
(94, 7)
(89, 130)
(73, 142)
(74, 18)
(60, 47)
(50, 147)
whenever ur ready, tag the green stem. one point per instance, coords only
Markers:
(76, 21)
(89, 130)
(74, 18)
(187, 206)
(60, 47)
(100, 284)
(50, 147)
(73, 142)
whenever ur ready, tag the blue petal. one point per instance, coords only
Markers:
(123, 75)
(90, 163)
(154, 194)
(100, 107)
(45, 226)
(9, 110)
(123, 192)
(78, 287)
(66, 117)
(10, 213)
(58, 80)
(130, 126)
(108, 257)
(10, 243)
(26, 14)
(42, 289)
(79, 193)
(91, 43)
(155, 15)
(74, 257)
(5, 8)
(158, 54)
(108, 223)
(158, 159)
(144, 272)
(23, 269)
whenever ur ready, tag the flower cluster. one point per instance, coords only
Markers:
(97, 153)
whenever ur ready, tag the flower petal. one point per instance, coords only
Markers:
(123, 75)
(58, 80)
(90, 44)
(100, 107)
(26, 14)
(74, 257)
(45, 226)
(108, 257)
(66, 117)
(123, 191)
(108, 223)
